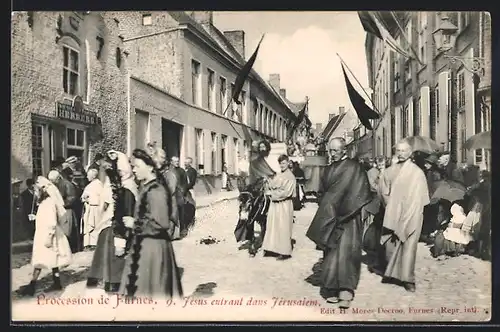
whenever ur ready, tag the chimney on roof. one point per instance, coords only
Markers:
(274, 81)
(237, 39)
(202, 17)
(331, 116)
(283, 93)
(341, 110)
(319, 128)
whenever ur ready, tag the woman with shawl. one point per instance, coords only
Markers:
(51, 248)
(118, 200)
(151, 268)
(91, 198)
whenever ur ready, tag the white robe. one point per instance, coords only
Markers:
(92, 214)
(59, 255)
(278, 237)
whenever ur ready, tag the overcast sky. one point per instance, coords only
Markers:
(302, 47)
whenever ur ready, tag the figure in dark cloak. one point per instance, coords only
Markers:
(119, 199)
(254, 198)
(337, 227)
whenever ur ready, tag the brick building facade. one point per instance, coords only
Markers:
(416, 99)
(57, 56)
(145, 76)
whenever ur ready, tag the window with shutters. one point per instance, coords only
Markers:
(243, 106)
(247, 150)
(421, 47)
(214, 154)
(462, 135)
(485, 119)
(236, 149)
(407, 70)
(261, 118)
(195, 82)
(393, 129)
(222, 94)
(210, 90)
(417, 116)
(434, 112)
(37, 149)
(200, 148)
(232, 111)
(255, 115)
(404, 121)
(461, 89)
(224, 151)
(384, 142)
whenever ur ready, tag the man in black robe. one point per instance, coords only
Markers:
(337, 226)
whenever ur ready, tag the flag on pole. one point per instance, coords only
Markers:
(364, 112)
(369, 24)
(300, 118)
(243, 74)
(373, 25)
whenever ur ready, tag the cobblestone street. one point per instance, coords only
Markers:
(220, 271)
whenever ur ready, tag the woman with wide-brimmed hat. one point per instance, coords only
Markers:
(51, 248)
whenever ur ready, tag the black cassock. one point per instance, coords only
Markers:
(336, 228)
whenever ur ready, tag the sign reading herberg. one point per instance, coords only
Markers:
(68, 112)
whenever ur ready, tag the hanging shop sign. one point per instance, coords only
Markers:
(75, 112)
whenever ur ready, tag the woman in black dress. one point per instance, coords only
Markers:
(119, 199)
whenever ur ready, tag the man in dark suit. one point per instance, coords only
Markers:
(29, 207)
(190, 198)
(181, 191)
(191, 174)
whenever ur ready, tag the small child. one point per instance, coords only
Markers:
(454, 231)
(91, 198)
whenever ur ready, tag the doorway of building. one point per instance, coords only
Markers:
(171, 138)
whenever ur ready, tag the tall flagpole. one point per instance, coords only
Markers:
(403, 33)
(366, 93)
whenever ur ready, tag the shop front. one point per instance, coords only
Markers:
(66, 134)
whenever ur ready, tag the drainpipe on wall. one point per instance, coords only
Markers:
(129, 117)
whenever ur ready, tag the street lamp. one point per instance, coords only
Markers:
(445, 37)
